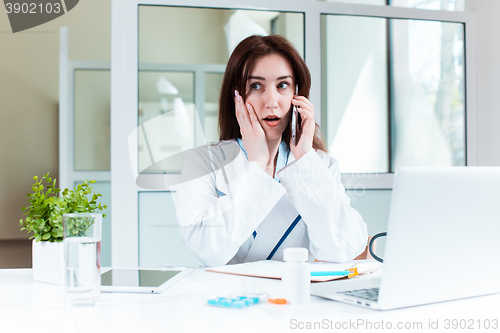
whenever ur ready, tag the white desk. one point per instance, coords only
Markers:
(28, 306)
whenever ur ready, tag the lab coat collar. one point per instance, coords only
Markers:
(283, 156)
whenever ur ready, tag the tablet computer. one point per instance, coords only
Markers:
(140, 280)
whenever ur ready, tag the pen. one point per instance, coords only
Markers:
(328, 273)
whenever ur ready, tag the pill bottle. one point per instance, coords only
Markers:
(296, 275)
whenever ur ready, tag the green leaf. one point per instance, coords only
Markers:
(44, 214)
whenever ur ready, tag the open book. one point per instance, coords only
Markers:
(272, 269)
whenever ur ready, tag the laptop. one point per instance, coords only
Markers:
(442, 241)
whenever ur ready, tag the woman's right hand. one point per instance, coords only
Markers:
(252, 134)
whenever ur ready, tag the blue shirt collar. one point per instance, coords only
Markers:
(283, 154)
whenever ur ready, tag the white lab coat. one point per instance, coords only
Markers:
(224, 198)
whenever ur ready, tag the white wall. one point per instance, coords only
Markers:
(29, 95)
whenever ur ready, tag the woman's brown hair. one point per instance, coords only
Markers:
(239, 67)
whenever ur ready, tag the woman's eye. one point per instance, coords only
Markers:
(255, 86)
(283, 85)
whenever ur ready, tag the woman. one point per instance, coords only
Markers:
(255, 193)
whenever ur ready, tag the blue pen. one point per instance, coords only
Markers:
(329, 273)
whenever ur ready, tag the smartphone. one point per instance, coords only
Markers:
(295, 119)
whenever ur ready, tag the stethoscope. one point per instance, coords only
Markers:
(370, 245)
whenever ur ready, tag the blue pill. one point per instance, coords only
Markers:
(238, 304)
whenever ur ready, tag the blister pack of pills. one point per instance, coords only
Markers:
(237, 301)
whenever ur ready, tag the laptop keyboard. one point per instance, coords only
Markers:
(369, 294)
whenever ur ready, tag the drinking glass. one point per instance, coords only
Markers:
(82, 258)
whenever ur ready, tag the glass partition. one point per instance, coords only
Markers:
(92, 97)
(450, 5)
(182, 57)
(198, 41)
(91, 124)
(104, 188)
(178, 108)
(213, 82)
(393, 93)
(355, 90)
(160, 243)
(374, 206)
(428, 88)
(162, 96)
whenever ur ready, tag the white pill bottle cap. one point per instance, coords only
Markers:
(296, 254)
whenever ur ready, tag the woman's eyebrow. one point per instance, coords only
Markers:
(263, 79)
(256, 78)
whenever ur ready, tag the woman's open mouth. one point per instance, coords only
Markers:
(272, 121)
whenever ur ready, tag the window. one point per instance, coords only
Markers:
(393, 93)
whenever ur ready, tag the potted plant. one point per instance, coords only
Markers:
(45, 221)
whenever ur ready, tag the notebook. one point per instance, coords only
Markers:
(273, 269)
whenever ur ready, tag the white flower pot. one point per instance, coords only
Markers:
(48, 262)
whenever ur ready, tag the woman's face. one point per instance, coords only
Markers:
(270, 89)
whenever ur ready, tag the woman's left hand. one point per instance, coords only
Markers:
(307, 128)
